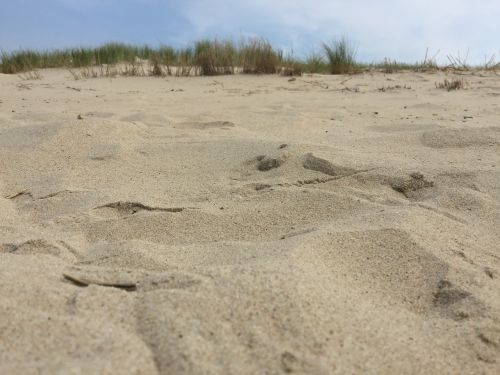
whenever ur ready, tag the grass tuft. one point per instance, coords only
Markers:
(315, 63)
(257, 56)
(214, 57)
(392, 66)
(491, 63)
(454, 84)
(392, 88)
(290, 66)
(429, 63)
(459, 62)
(341, 56)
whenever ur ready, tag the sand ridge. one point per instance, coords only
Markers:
(249, 224)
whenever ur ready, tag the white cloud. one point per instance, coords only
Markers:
(403, 28)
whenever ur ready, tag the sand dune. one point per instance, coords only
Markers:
(249, 224)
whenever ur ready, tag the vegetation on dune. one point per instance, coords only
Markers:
(451, 85)
(111, 53)
(212, 57)
(315, 63)
(257, 56)
(215, 57)
(341, 56)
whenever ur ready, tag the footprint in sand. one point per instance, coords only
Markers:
(455, 303)
(266, 163)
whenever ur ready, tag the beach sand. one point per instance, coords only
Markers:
(249, 225)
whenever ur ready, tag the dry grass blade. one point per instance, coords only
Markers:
(458, 62)
(392, 88)
(491, 63)
(429, 63)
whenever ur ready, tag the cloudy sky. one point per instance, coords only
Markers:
(400, 29)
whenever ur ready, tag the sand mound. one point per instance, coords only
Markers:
(460, 138)
(399, 269)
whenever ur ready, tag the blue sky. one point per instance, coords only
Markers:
(401, 29)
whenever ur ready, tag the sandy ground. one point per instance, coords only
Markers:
(249, 225)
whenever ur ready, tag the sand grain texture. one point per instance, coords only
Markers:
(256, 225)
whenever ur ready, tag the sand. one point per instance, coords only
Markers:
(249, 225)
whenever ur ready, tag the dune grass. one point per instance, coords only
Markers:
(341, 56)
(392, 66)
(291, 67)
(315, 62)
(213, 57)
(428, 64)
(257, 56)
(206, 57)
(111, 53)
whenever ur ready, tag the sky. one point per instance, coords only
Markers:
(397, 29)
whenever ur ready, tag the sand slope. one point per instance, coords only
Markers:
(242, 225)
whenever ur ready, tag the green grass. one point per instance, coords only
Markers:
(341, 56)
(111, 53)
(392, 66)
(315, 63)
(289, 65)
(213, 57)
(257, 56)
